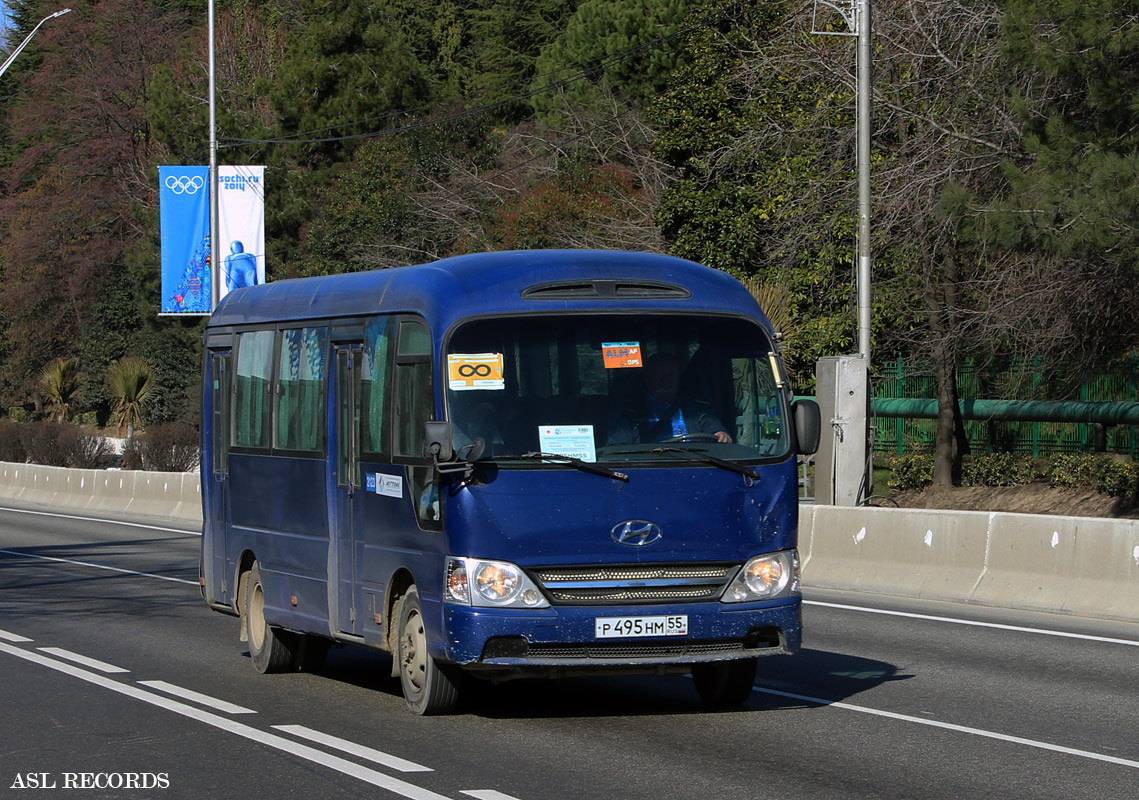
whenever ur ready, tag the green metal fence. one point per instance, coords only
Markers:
(1013, 381)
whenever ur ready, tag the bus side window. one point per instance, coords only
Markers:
(373, 401)
(219, 443)
(251, 407)
(300, 398)
(414, 406)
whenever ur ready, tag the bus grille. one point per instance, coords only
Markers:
(623, 585)
(627, 650)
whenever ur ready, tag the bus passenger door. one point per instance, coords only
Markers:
(215, 473)
(343, 565)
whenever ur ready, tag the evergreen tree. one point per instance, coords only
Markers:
(622, 47)
(1078, 194)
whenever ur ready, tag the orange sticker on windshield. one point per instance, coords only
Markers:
(619, 355)
(474, 371)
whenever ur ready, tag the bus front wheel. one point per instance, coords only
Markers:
(428, 688)
(271, 649)
(725, 683)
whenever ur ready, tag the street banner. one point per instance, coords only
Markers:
(184, 228)
(241, 226)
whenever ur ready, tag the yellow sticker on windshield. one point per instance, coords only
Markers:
(467, 371)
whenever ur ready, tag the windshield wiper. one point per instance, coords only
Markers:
(585, 466)
(698, 455)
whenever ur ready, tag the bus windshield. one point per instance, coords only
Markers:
(616, 388)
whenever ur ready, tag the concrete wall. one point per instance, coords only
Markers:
(174, 495)
(1079, 565)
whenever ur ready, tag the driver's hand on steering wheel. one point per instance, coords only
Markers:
(723, 437)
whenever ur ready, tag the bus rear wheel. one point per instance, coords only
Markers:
(271, 649)
(725, 683)
(428, 688)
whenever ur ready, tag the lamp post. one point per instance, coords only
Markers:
(12, 57)
(215, 251)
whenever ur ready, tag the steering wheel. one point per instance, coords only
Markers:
(692, 437)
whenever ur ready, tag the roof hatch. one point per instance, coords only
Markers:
(605, 289)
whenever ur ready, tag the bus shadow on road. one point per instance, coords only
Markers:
(807, 679)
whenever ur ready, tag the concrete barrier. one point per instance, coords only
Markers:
(914, 552)
(175, 495)
(1077, 565)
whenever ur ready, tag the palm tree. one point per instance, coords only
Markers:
(60, 383)
(775, 300)
(130, 383)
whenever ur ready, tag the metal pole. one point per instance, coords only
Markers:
(863, 276)
(12, 56)
(215, 272)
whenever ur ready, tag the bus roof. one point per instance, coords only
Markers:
(519, 281)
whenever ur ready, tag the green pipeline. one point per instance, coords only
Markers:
(1113, 413)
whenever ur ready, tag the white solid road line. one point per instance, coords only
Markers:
(362, 773)
(358, 750)
(956, 621)
(93, 663)
(146, 525)
(13, 637)
(197, 697)
(1055, 748)
(371, 776)
(98, 566)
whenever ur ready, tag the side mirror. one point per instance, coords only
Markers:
(808, 425)
(437, 442)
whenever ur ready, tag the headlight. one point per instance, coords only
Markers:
(490, 584)
(765, 577)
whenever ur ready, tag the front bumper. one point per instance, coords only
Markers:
(562, 637)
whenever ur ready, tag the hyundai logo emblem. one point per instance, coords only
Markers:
(635, 532)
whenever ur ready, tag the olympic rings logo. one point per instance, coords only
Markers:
(184, 184)
(473, 370)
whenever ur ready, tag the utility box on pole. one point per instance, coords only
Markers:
(842, 474)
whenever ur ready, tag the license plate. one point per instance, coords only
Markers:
(638, 627)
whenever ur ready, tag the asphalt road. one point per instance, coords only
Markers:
(104, 641)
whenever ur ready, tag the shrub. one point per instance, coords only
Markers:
(996, 469)
(12, 443)
(42, 443)
(911, 472)
(1075, 470)
(1100, 472)
(58, 444)
(172, 447)
(132, 454)
(85, 451)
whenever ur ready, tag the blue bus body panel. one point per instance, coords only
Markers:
(563, 517)
(278, 510)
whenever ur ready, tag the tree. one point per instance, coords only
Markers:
(615, 45)
(79, 175)
(767, 187)
(130, 385)
(60, 385)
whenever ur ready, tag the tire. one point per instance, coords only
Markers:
(428, 688)
(725, 683)
(310, 653)
(270, 648)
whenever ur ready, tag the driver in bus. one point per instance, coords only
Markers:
(660, 415)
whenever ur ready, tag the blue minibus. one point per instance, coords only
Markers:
(503, 465)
